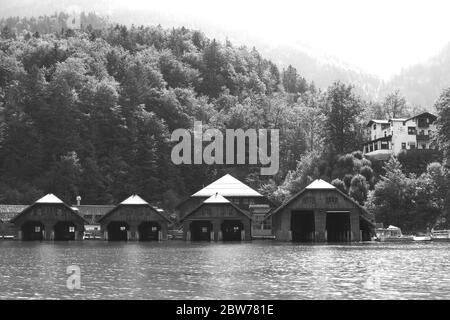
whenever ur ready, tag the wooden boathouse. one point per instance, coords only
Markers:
(217, 219)
(49, 218)
(134, 219)
(321, 213)
(250, 201)
(229, 187)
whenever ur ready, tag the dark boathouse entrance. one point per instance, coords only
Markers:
(201, 230)
(338, 226)
(64, 230)
(118, 231)
(136, 220)
(217, 219)
(322, 213)
(149, 231)
(232, 230)
(33, 230)
(49, 218)
(302, 224)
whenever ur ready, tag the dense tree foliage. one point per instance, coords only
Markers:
(90, 112)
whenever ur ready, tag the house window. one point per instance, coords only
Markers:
(374, 127)
(122, 228)
(37, 229)
(204, 229)
(384, 145)
(332, 200)
(424, 146)
(403, 145)
(411, 130)
(71, 229)
(309, 200)
(154, 229)
(412, 145)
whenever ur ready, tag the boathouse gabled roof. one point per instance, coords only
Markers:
(9, 211)
(216, 199)
(48, 199)
(135, 200)
(320, 184)
(227, 186)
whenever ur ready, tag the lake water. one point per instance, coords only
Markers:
(257, 270)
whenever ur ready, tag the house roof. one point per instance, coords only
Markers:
(134, 200)
(424, 114)
(9, 211)
(217, 198)
(377, 121)
(399, 119)
(227, 186)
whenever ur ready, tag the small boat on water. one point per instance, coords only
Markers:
(440, 235)
(392, 234)
(422, 238)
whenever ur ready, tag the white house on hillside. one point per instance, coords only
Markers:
(390, 137)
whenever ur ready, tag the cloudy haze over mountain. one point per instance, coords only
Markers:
(378, 46)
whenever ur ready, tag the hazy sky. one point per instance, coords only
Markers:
(380, 36)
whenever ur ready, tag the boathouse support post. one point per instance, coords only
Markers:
(48, 232)
(320, 225)
(354, 225)
(187, 230)
(132, 233)
(163, 231)
(216, 230)
(105, 235)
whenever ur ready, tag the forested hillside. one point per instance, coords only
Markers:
(90, 112)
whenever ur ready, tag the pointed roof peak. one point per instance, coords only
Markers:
(134, 200)
(227, 186)
(49, 198)
(320, 184)
(216, 198)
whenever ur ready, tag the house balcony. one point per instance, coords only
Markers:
(422, 137)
